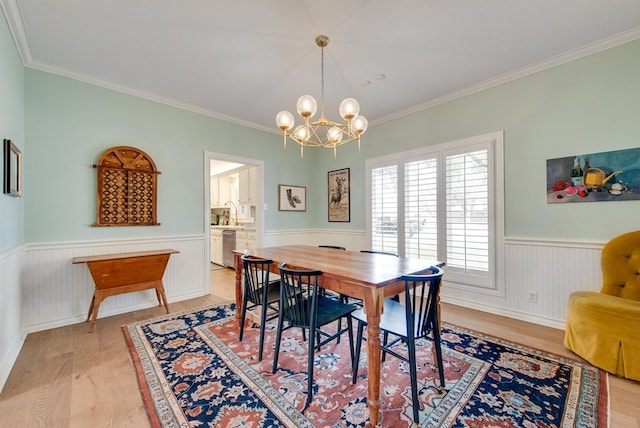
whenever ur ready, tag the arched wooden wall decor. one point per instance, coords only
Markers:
(127, 188)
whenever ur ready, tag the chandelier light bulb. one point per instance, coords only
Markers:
(359, 125)
(349, 108)
(334, 135)
(307, 106)
(285, 120)
(301, 133)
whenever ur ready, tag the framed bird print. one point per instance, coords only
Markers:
(292, 198)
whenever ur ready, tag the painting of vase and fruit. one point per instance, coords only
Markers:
(606, 176)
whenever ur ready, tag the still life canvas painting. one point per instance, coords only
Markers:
(605, 176)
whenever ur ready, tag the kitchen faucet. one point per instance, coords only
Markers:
(236, 208)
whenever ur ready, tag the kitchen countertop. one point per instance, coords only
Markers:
(229, 227)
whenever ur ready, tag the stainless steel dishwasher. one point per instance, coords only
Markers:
(228, 245)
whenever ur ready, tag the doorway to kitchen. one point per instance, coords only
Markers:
(233, 218)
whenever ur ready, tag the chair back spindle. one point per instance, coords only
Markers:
(422, 303)
(299, 296)
(256, 273)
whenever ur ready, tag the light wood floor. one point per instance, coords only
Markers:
(67, 377)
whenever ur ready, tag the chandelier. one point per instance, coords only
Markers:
(322, 132)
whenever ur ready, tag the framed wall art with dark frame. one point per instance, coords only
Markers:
(292, 198)
(339, 191)
(12, 169)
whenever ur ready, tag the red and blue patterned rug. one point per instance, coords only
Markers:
(193, 372)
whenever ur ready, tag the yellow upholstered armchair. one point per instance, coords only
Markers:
(604, 328)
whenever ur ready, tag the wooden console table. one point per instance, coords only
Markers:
(124, 273)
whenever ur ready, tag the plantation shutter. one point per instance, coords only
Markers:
(421, 209)
(384, 208)
(467, 212)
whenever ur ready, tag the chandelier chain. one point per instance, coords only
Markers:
(322, 81)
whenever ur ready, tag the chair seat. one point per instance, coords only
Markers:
(603, 330)
(273, 291)
(330, 309)
(393, 319)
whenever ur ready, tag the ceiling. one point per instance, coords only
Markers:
(244, 61)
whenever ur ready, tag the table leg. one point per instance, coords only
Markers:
(439, 327)
(162, 297)
(238, 265)
(95, 304)
(373, 308)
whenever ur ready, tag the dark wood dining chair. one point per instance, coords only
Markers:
(343, 298)
(386, 253)
(335, 247)
(417, 318)
(261, 291)
(301, 305)
(323, 291)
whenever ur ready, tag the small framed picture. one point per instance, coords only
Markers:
(12, 169)
(339, 190)
(292, 198)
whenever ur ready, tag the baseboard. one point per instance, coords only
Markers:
(10, 360)
(494, 310)
(76, 319)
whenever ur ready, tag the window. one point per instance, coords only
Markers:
(442, 203)
(384, 202)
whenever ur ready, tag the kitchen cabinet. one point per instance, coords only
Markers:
(214, 192)
(248, 186)
(224, 190)
(220, 191)
(216, 246)
(246, 240)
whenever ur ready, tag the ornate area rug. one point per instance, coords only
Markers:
(193, 372)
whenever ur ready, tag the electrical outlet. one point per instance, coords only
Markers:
(533, 296)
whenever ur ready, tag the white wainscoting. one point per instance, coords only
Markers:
(56, 292)
(350, 239)
(552, 269)
(549, 268)
(11, 338)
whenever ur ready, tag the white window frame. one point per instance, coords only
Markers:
(493, 282)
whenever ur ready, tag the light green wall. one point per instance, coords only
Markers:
(69, 124)
(11, 127)
(586, 106)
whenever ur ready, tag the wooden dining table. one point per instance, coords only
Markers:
(370, 277)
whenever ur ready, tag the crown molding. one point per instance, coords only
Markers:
(584, 51)
(142, 94)
(13, 13)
